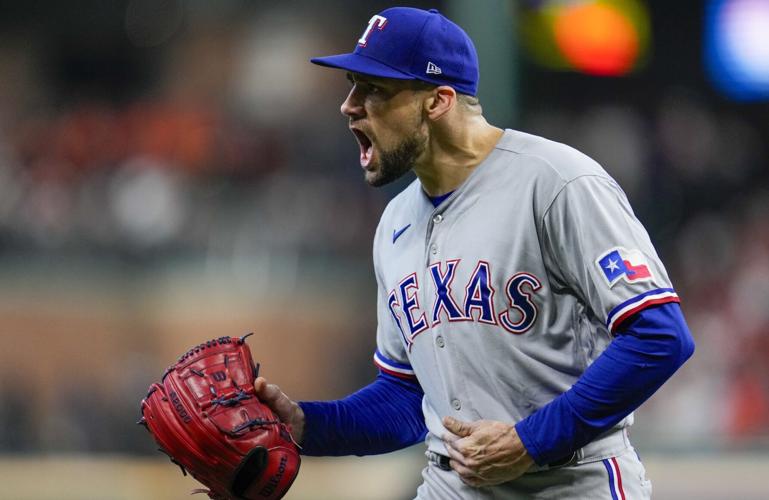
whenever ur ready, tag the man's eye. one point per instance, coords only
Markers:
(367, 87)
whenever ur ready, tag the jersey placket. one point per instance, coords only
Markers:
(439, 343)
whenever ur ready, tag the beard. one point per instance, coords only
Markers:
(396, 162)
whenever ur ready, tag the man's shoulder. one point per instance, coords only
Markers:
(548, 158)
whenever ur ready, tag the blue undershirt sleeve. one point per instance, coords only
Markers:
(650, 346)
(384, 416)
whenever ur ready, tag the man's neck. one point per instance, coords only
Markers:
(454, 153)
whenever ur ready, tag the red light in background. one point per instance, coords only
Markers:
(597, 39)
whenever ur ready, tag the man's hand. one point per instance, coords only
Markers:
(288, 411)
(485, 452)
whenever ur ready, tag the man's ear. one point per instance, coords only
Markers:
(441, 101)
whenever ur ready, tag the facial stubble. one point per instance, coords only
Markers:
(394, 163)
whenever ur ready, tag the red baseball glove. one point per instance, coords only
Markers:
(205, 415)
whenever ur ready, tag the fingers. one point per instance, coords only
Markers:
(458, 427)
(266, 392)
(454, 454)
(458, 455)
(483, 452)
(465, 467)
(288, 411)
(272, 396)
(456, 439)
(467, 475)
(461, 464)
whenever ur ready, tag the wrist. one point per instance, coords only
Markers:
(520, 450)
(297, 423)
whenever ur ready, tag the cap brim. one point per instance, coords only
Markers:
(361, 64)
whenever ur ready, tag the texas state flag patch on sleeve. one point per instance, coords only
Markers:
(623, 264)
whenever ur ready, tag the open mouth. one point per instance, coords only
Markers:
(366, 147)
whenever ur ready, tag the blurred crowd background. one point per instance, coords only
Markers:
(175, 170)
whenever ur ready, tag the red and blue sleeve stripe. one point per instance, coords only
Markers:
(392, 367)
(638, 303)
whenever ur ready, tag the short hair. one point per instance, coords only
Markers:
(470, 102)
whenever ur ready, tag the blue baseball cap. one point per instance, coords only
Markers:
(413, 44)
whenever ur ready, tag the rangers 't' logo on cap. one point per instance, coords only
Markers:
(376, 21)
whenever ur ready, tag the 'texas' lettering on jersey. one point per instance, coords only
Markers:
(477, 304)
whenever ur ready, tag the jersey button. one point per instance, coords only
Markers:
(456, 404)
(433, 249)
(437, 219)
(439, 340)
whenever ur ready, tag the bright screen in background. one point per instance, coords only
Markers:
(737, 48)
(602, 38)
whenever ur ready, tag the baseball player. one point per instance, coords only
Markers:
(523, 313)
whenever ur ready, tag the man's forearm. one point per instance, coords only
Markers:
(648, 349)
(382, 417)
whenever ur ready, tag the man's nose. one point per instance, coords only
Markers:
(352, 106)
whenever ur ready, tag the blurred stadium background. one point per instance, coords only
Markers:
(175, 170)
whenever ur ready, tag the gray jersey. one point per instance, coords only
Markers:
(500, 298)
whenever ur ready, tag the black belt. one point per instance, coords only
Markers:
(442, 461)
(563, 462)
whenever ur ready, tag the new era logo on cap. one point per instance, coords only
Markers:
(433, 69)
(404, 43)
